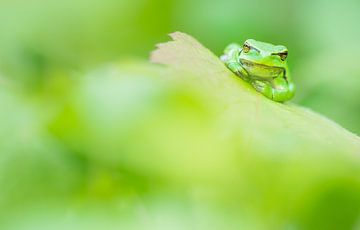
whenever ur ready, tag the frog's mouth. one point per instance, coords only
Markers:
(261, 70)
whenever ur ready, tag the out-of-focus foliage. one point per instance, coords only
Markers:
(130, 145)
(137, 146)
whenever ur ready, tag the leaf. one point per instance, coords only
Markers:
(263, 125)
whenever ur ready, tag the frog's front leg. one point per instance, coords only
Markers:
(263, 87)
(281, 91)
(238, 70)
(231, 60)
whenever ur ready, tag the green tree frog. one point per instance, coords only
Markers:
(263, 65)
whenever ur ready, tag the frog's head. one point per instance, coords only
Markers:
(262, 59)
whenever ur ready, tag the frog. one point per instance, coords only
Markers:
(263, 65)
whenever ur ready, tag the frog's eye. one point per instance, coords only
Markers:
(246, 48)
(283, 55)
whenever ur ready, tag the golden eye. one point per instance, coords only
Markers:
(246, 48)
(283, 55)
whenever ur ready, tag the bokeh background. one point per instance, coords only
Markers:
(67, 146)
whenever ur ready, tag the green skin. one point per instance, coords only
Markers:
(264, 66)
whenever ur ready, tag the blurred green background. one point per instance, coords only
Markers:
(68, 148)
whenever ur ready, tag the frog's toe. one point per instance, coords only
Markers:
(259, 86)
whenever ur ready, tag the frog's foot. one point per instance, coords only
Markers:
(259, 85)
(275, 94)
(264, 88)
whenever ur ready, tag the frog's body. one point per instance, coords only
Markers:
(263, 65)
